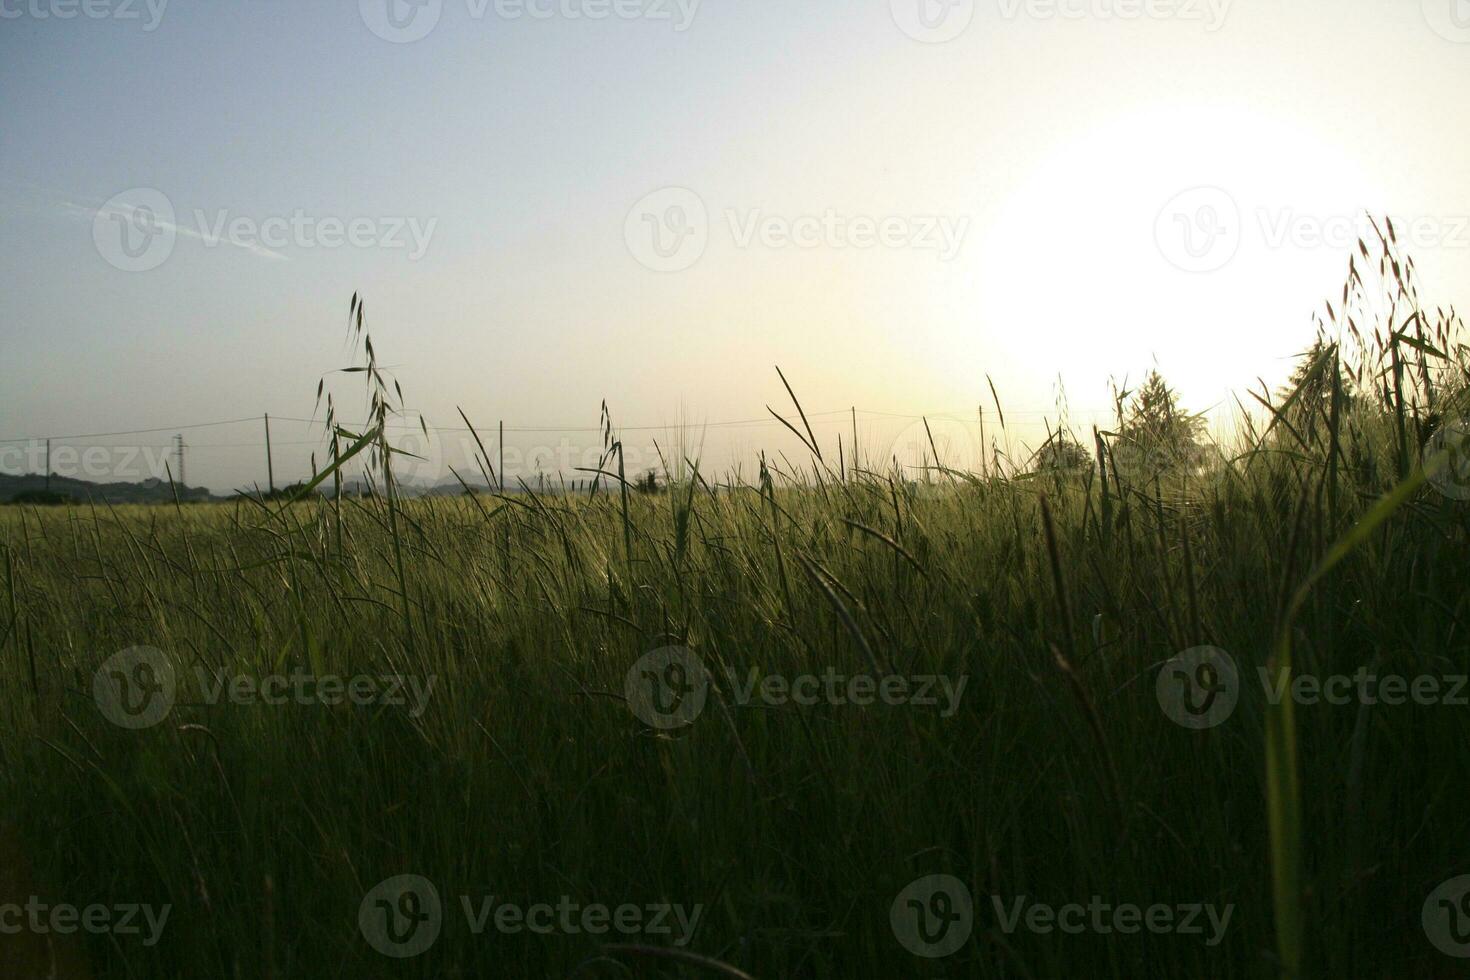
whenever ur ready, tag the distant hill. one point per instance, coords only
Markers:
(146, 492)
(159, 492)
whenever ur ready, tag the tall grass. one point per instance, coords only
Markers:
(1311, 544)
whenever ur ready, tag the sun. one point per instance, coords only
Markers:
(1198, 239)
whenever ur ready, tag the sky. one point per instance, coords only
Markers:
(551, 203)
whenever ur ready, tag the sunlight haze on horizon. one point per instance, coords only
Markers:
(546, 204)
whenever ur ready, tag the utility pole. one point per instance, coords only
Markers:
(48, 465)
(270, 466)
(179, 451)
(984, 466)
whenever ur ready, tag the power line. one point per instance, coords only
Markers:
(1025, 414)
(132, 432)
(590, 428)
(842, 414)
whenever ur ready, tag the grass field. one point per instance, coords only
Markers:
(522, 763)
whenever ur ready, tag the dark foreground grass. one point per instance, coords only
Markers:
(1058, 777)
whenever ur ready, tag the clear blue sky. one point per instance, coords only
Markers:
(523, 145)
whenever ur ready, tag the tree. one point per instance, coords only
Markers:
(1313, 379)
(42, 498)
(1061, 453)
(1157, 436)
(281, 493)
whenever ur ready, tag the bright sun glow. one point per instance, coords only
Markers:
(1080, 260)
